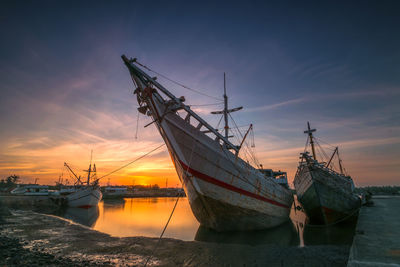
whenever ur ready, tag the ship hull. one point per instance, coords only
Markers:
(86, 197)
(225, 193)
(327, 198)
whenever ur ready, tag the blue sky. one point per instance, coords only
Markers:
(65, 90)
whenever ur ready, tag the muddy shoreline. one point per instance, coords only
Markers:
(31, 238)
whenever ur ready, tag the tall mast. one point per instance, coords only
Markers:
(90, 167)
(77, 178)
(333, 154)
(309, 132)
(340, 162)
(226, 110)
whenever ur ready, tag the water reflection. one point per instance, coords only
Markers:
(87, 217)
(283, 235)
(147, 217)
(339, 234)
(113, 204)
(314, 235)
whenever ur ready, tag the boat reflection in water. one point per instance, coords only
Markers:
(147, 217)
(314, 235)
(87, 217)
(282, 235)
(338, 234)
(113, 204)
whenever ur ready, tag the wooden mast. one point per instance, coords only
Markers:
(340, 162)
(309, 132)
(90, 167)
(226, 112)
(330, 160)
(77, 178)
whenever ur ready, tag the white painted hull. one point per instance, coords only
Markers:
(85, 197)
(225, 193)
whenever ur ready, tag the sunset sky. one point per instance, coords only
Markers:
(65, 91)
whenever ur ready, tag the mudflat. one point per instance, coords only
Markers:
(30, 238)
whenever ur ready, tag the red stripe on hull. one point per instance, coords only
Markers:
(85, 206)
(230, 187)
(332, 216)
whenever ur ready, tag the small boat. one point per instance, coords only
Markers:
(326, 194)
(31, 190)
(85, 194)
(225, 192)
(114, 192)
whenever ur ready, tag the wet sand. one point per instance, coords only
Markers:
(30, 238)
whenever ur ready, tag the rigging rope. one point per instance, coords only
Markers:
(305, 148)
(177, 83)
(216, 128)
(251, 153)
(204, 105)
(320, 140)
(137, 124)
(129, 163)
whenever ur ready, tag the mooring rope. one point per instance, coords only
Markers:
(172, 212)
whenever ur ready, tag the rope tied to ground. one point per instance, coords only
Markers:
(172, 212)
(129, 163)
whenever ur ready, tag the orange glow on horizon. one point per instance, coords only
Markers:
(46, 163)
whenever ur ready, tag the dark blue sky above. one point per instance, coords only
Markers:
(334, 63)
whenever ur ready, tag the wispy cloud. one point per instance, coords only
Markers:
(276, 105)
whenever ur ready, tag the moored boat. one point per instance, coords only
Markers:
(85, 197)
(225, 192)
(31, 190)
(325, 194)
(115, 192)
(85, 194)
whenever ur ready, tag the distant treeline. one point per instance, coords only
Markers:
(9, 182)
(379, 190)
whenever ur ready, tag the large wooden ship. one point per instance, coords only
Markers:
(325, 194)
(225, 192)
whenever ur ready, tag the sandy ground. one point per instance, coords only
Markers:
(30, 238)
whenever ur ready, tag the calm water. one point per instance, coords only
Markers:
(147, 217)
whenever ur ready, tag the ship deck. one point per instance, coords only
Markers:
(377, 238)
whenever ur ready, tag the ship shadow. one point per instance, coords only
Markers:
(282, 235)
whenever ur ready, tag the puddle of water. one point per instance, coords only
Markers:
(147, 217)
